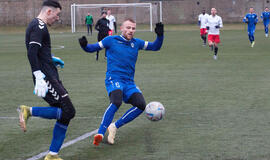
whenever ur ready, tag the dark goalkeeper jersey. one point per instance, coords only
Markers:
(38, 44)
(102, 25)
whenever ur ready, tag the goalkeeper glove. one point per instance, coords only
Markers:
(83, 41)
(159, 29)
(41, 87)
(58, 62)
(217, 26)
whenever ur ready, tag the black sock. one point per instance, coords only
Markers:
(202, 37)
(212, 47)
(97, 55)
(216, 50)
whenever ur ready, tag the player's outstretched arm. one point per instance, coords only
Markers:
(156, 45)
(88, 47)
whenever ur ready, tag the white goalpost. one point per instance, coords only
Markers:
(142, 13)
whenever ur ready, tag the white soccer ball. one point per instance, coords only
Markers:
(154, 111)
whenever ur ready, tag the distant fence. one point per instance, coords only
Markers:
(20, 12)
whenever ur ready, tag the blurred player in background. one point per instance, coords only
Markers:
(251, 19)
(89, 23)
(46, 78)
(266, 19)
(122, 54)
(214, 23)
(102, 26)
(112, 24)
(202, 21)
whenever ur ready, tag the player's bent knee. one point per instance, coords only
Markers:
(141, 105)
(116, 98)
(68, 111)
(67, 116)
(137, 100)
(117, 102)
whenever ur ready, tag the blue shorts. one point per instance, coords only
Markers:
(251, 30)
(128, 87)
(266, 23)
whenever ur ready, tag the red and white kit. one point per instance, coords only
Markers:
(213, 33)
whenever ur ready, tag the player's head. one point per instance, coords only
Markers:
(103, 14)
(109, 11)
(88, 14)
(50, 11)
(203, 11)
(266, 9)
(251, 9)
(213, 11)
(128, 28)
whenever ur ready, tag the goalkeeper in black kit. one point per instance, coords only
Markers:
(46, 78)
(102, 26)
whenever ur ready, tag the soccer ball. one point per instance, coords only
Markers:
(154, 111)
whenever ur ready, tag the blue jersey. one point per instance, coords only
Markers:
(266, 17)
(122, 54)
(251, 19)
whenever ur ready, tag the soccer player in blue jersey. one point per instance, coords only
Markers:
(266, 19)
(122, 53)
(46, 78)
(251, 19)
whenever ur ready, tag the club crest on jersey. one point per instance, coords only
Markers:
(132, 45)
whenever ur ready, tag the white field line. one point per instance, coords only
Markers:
(8, 118)
(58, 47)
(82, 137)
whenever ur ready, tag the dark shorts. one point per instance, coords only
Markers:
(56, 92)
(102, 35)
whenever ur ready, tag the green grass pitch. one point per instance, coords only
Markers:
(215, 110)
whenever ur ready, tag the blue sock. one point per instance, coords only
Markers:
(250, 38)
(253, 39)
(47, 112)
(59, 134)
(130, 115)
(266, 30)
(107, 118)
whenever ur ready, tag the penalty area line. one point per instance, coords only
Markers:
(82, 137)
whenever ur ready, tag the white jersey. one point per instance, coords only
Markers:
(212, 22)
(203, 19)
(112, 20)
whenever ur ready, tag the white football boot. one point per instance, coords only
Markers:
(112, 132)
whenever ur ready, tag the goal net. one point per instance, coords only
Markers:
(142, 13)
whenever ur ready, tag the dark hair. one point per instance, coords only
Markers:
(129, 19)
(52, 3)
